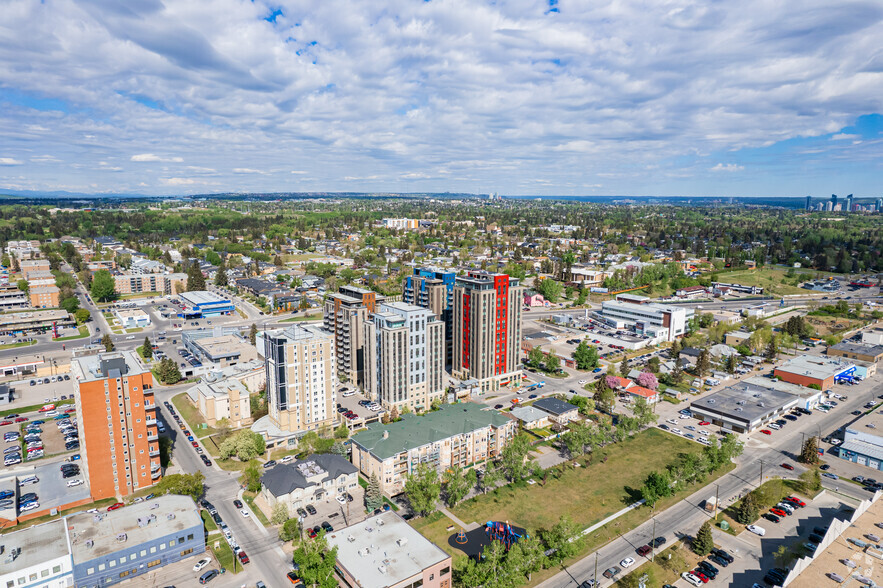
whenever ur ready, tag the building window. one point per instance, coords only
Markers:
(56, 569)
(89, 572)
(154, 563)
(190, 537)
(186, 552)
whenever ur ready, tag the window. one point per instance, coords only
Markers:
(44, 573)
(162, 546)
(186, 552)
(153, 549)
(101, 567)
(89, 572)
(154, 563)
(112, 563)
(190, 537)
(56, 569)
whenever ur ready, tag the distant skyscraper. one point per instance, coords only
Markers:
(809, 202)
(849, 203)
(878, 206)
(833, 201)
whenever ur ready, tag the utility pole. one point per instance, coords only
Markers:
(761, 473)
(717, 494)
(653, 542)
(595, 577)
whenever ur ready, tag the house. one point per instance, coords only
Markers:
(691, 292)
(651, 396)
(530, 417)
(532, 299)
(308, 481)
(560, 411)
(622, 383)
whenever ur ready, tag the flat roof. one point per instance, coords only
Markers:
(130, 313)
(529, 414)
(16, 318)
(39, 544)
(745, 402)
(167, 514)
(859, 348)
(88, 367)
(384, 550)
(819, 368)
(220, 388)
(202, 297)
(223, 345)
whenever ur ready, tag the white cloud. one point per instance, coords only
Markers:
(150, 157)
(247, 170)
(298, 172)
(844, 137)
(10, 161)
(727, 167)
(180, 181)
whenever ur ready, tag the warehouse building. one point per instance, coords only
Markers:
(206, 303)
(859, 351)
(808, 370)
(744, 407)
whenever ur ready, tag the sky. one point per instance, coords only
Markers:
(520, 97)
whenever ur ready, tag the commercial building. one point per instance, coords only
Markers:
(455, 436)
(308, 481)
(404, 356)
(11, 298)
(662, 321)
(344, 317)
(723, 286)
(206, 303)
(384, 551)
(37, 556)
(859, 351)
(34, 322)
(116, 419)
(829, 285)
(692, 292)
(860, 445)
(220, 347)
(873, 336)
(222, 398)
(142, 265)
(132, 318)
(808, 370)
(743, 407)
(433, 288)
(487, 329)
(44, 296)
(301, 382)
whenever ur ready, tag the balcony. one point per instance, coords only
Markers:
(150, 406)
(151, 421)
(152, 436)
(155, 474)
(154, 453)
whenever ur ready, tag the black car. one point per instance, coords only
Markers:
(719, 560)
(790, 417)
(216, 517)
(301, 512)
(270, 463)
(657, 542)
(771, 517)
(311, 509)
(856, 413)
(208, 576)
(610, 572)
(69, 474)
(815, 538)
(824, 467)
(237, 503)
(723, 554)
(773, 580)
(706, 570)
(27, 497)
(327, 526)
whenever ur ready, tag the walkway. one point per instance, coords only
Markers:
(457, 521)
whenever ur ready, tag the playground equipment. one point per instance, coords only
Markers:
(502, 532)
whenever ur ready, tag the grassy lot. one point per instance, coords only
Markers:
(211, 445)
(22, 344)
(224, 554)
(301, 318)
(207, 521)
(768, 277)
(191, 416)
(83, 332)
(770, 493)
(249, 498)
(830, 325)
(666, 567)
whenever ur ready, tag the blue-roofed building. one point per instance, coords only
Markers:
(203, 303)
(433, 288)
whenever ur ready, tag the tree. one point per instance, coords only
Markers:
(643, 411)
(647, 380)
(810, 452)
(513, 459)
(772, 350)
(605, 398)
(103, 286)
(290, 530)
(564, 538)
(184, 484)
(195, 279)
(251, 476)
(553, 363)
(535, 357)
(373, 494)
(456, 484)
(221, 275)
(107, 342)
(244, 444)
(653, 364)
(147, 349)
(316, 562)
(279, 514)
(731, 364)
(748, 509)
(252, 334)
(342, 432)
(624, 367)
(82, 315)
(585, 356)
(675, 349)
(167, 371)
(658, 485)
(338, 448)
(550, 289)
(704, 541)
(703, 363)
(23, 286)
(423, 488)
(70, 304)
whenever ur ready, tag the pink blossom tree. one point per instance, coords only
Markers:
(648, 380)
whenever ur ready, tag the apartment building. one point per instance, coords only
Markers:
(116, 418)
(455, 436)
(401, 223)
(31, 266)
(222, 398)
(44, 296)
(487, 329)
(167, 284)
(404, 356)
(11, 297)
(433, 288)
(344, 316)
(23, 250)
(301, 378)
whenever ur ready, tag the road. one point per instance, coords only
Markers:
(761, 453)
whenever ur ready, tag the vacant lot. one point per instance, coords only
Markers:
(189, 413)
(831, 325)
(770, 278)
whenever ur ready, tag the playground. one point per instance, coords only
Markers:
(472, 543)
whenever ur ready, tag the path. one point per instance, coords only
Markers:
(457, 521)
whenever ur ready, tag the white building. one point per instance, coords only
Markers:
(131, 318)
(38, 556)
(667, 321)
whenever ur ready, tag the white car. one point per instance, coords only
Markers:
(348, 393)
(671, 422)
(341, 499)
(243, 512)
(201, 564)
(130, 337)
(583, 382)
(704, 433)
(627, 562)
(774, 426)
(72, 483)
(30, 506)
(29, 480)
(683, 416)
(756, 530)
(676, 431)
(691, 579)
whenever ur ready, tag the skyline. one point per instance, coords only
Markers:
(520, 98)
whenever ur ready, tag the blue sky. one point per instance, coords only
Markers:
(545, 97)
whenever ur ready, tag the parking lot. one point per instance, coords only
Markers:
(336, 514)
(364, 415)
(45, 428)
(52, 489)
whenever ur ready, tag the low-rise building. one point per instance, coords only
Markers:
(456, 435)
(743, 407)
(219, 346)
(384, 551)
(30, 267)
(206, 303)
(691, 292)
(531, 418)
(859, 351)
(651, 396)
(308, 481)
(560, 411)
(736, 338)
(37, 556)
(44, 295)
(34, 322)
(131, 318)
(808, 370)
(222, 398)
(11, 297)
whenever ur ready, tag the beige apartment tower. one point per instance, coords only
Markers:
(344, 316)
(404, 350)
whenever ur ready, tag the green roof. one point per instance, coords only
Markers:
(416, 431)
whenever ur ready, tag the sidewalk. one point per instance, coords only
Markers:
(457, 521)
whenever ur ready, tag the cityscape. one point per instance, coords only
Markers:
(440, 294)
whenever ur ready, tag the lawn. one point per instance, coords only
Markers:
(770, 493)
(83, 332)
(224, 554)
(191, 416)
(830, 325)
(302, 318)
(22, 344)
(666, 567)
(249, 498)
(208, 521)
(768, 277)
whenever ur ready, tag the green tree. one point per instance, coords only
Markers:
(675, 349)
(809, 454)
(316, 562)
(147, 349)
(373, 494)
(658, 485)
(704, 541)
(535, 357)
(550, 289)
(221, 275)
(515, 270)
(748, 509)
(291, 529)
(338, 448)
(553, 363)
(251, 476)
(731, 364)
(703, 363)
(23, 286)
(195, 279)
(70, 304)
(423, 488)
(653, 364)
(585, 356)
(279, 514)
(103, 286)
(772, 350)
(342, 432)
(82, 315)
(456, 484)
(624, 367)
(107, 342)
(245, 445)
(564, 538)
(605, 398)
(513, 462)
(167, 371)
(252, 334)
(185, 484)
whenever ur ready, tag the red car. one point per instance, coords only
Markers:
(700, 575)
(643, 550)
(766, 431)
(194, 443)
(5, 423)
(787, 466)
(21, 420)
(703, 423)
(312, 533)
(115, 506)
(70, 410)
(795, 500)
(243, 557)
(779, 512)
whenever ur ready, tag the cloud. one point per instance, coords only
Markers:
(845, 137)
(727, 167)
(181, 181)
(150, 157)
(10, 161)
(298, 172)
(247, 170)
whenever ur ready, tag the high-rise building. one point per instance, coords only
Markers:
(344, 315)
(301, 377)
(878, 206)
(116, 418)
(433, 288)
(809, 202)
(849, 203)
(487, 329)
(404, 356)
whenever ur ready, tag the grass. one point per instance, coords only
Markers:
(22, 344)
(770, 278)
(830, 325)
(248, 497)
(191, 416)
(83, 332)
(211, 444)
(666, 567)
(31, 408)
(770, 493)
(207, 521)
(307, 317)
(224, 554)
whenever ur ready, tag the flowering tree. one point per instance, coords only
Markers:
(612, 382)
(648, 380)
